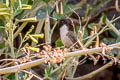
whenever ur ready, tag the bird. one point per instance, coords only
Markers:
(68, 37)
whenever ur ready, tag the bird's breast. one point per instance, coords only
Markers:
(66, 41)
(64, 38)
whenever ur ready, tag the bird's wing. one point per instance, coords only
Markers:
(72, 36)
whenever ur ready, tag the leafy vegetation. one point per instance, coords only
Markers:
(29, 37)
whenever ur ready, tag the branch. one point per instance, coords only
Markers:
(47, 29)
(20, 29)
(42, 61)
(117, 6)
(89, 41)
(95, 16)
(22, 66)
(112, 27)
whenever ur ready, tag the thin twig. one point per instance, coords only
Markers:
(47, 29)
(20, 29)
(38, 29)
(113, 28)
(94, 17)
(101, 31)
(32, 74)
(117, 6)
(53, 28)
(7, 64)
(8, 60)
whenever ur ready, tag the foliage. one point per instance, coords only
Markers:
(22, 48)
(48, 75)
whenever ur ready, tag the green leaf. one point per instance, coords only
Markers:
(5, 12)
(1, 22)
(2, 45)
(77, 28)
(18, 12)
(17, 9)
(47, 71)
(103, 18)
(118, 40)
(108, 40)
(57, 16)
(85, 33)
(2, 35)
(41, 13)
(88, 9)
(11, 76)
(46, 1)
(91, 26)
(48, 75)
(58, 43)
(67, 9)
(25, 1)
(66, 12)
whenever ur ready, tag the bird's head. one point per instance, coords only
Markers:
(63, 22)
(63, 25)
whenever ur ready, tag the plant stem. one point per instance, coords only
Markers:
(47, 29)
(20, 29)
(89, 41)
(54, 27)
(112, 28)
(11, 41)
(41, 61)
